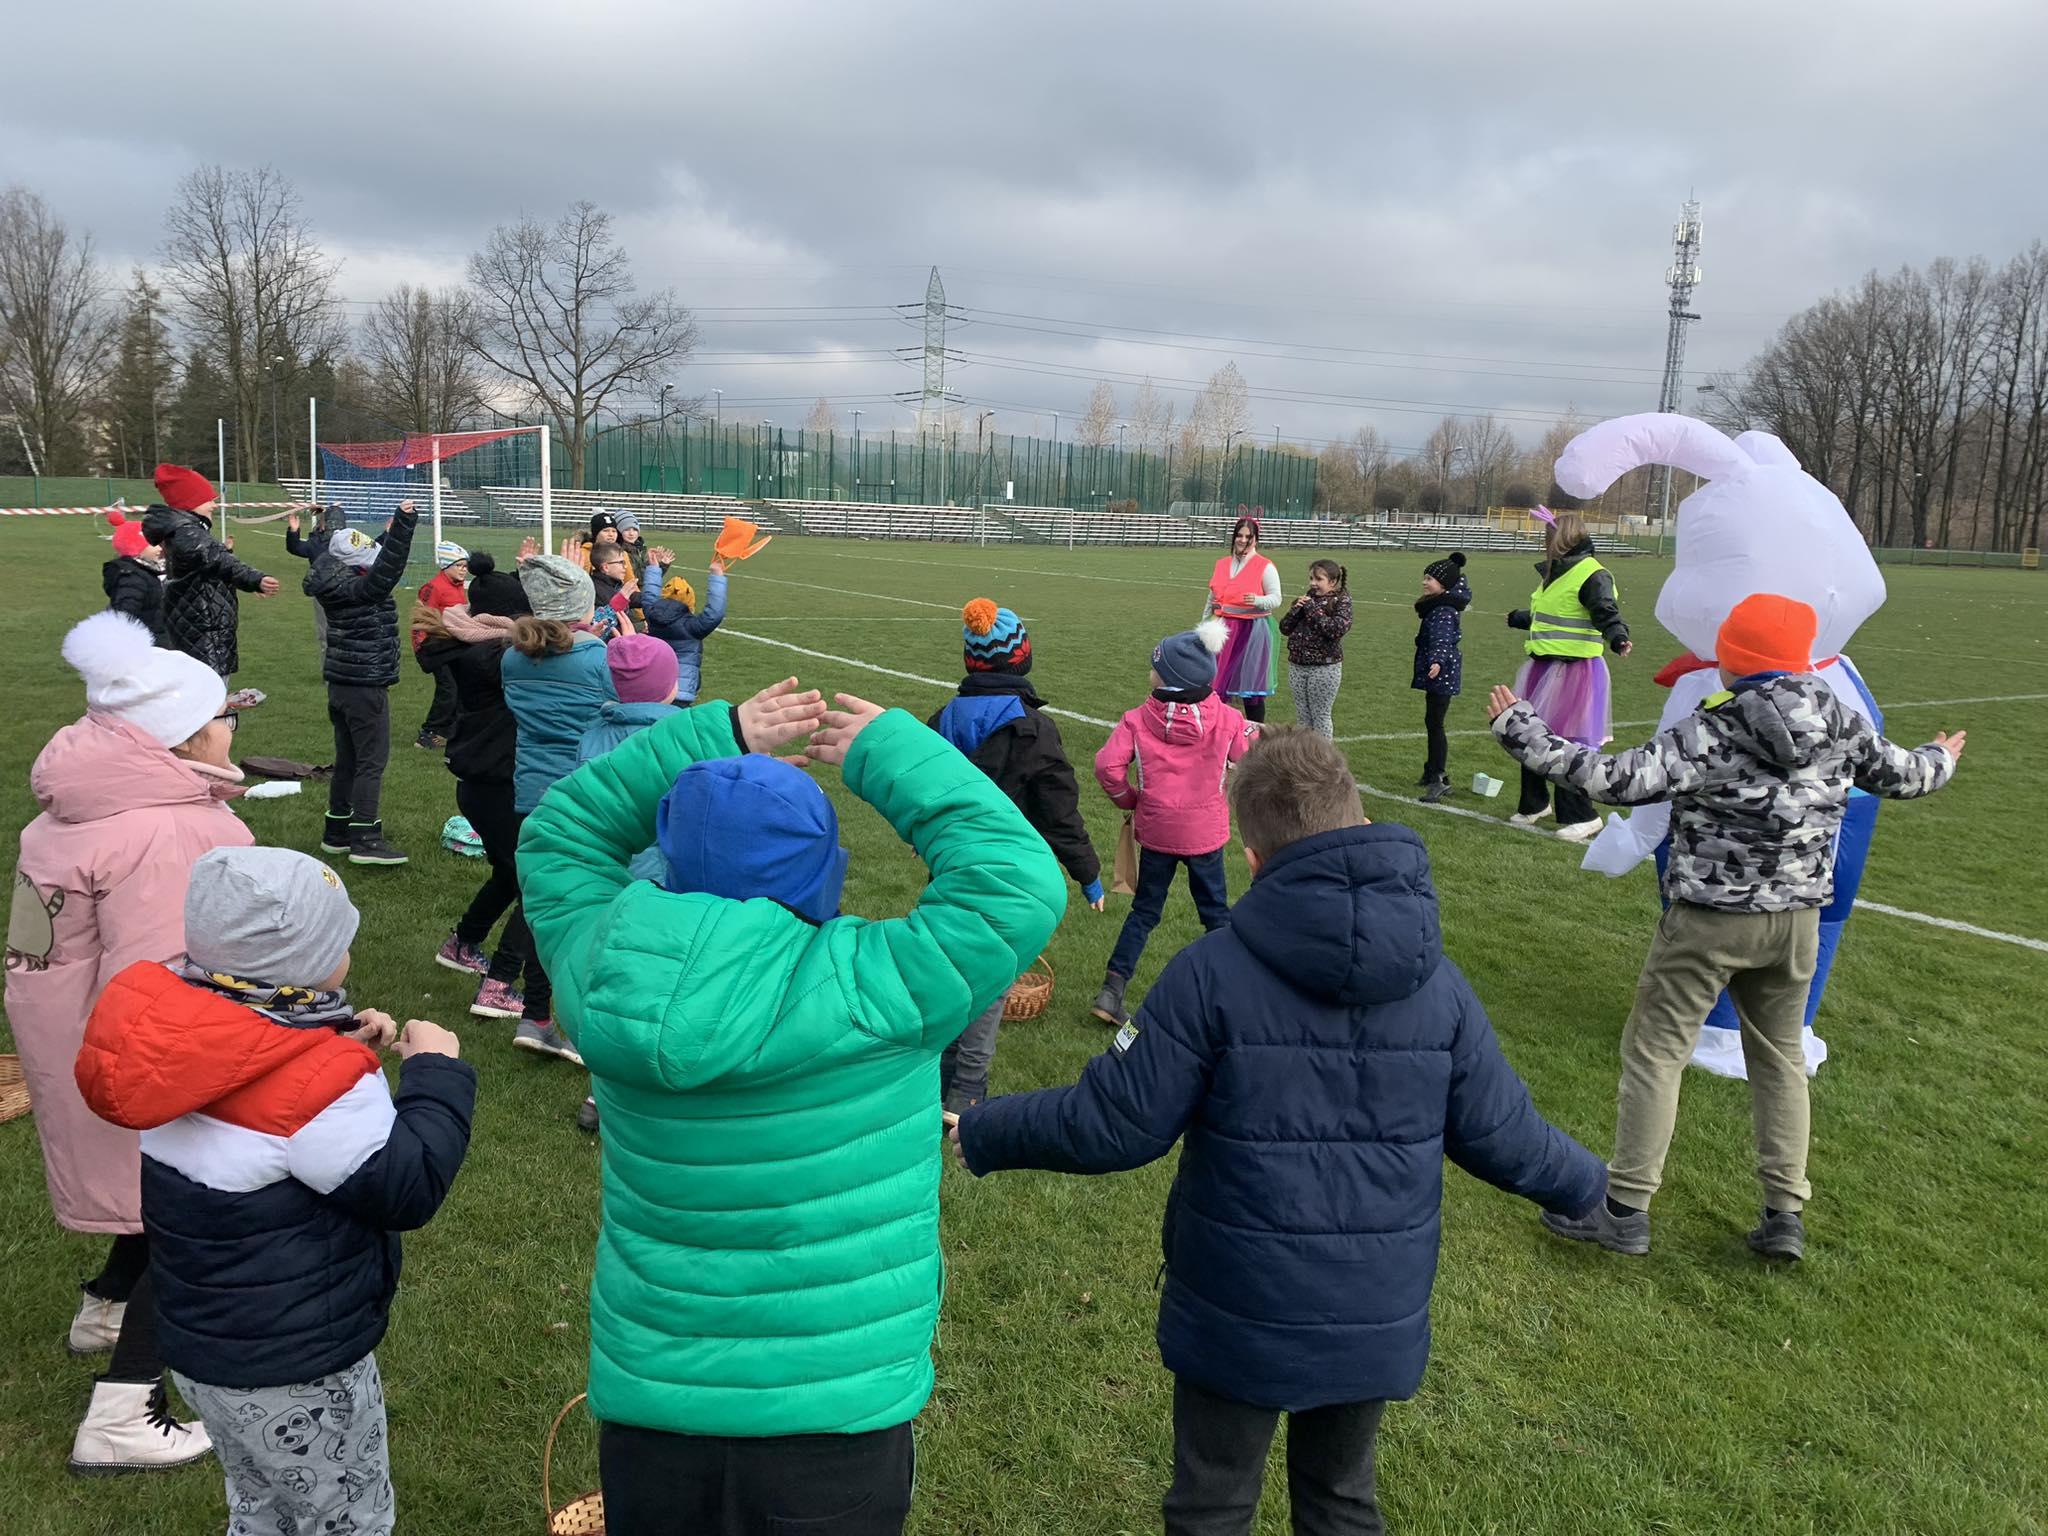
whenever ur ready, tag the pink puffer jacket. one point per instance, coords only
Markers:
(1181, 752)
(101, 885)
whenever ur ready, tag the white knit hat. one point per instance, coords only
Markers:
(166, 693)
(447, 553)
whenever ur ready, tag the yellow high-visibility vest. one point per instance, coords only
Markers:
(1561, 625)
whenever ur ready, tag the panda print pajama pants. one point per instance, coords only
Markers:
(304, 1460)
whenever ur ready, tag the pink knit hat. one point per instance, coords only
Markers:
(643, 669)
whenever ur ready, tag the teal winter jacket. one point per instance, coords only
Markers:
(616, 722)
(768, 1261)
(554, 700)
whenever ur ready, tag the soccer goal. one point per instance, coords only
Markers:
(368, 480)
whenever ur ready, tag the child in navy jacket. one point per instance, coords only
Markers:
(277, 1170)
(1321, 1057)
(1439, 664)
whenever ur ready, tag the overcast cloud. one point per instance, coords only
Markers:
(1478, 196)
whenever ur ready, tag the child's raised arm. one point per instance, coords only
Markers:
(1663, 767)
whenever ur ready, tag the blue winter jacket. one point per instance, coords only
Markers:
(1321, 1058)
(616, 722)
(673, 621)
(1436, 640)
(554, 699)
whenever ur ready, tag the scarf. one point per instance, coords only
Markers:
(293, 1007)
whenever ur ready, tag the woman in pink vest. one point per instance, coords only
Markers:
(131, 796)
(1244, 591)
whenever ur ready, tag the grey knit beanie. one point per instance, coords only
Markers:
(557, 588)
(268, 914)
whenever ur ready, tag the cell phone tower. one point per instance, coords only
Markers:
(1683, 276)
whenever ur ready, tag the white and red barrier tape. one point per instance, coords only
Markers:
(234, 510)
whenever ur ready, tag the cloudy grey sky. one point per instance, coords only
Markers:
(1473, 199)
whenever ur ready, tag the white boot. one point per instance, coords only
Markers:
(97, 1325)
(129, 1428)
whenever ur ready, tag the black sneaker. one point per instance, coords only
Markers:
(430, 741)
(334, 834)
(1436, 791)
(1780, 1235)
(367, 845)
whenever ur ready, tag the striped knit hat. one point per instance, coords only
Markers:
(995, 639)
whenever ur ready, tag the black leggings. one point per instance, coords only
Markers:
(125, 1278)
(488, 809)
(1573, 806)
(1434, 707)
(1254, 707)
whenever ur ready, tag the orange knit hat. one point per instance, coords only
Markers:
(1767, 633)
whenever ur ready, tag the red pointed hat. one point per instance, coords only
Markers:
(184, 490)
(128, 535)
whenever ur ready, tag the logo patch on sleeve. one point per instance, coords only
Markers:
(1125, 1038)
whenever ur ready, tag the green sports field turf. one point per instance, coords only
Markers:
(1893, 1383)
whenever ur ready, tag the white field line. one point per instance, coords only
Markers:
(1950, 924)
(1921, 650)
(1625, 725)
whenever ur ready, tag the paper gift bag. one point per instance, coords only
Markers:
(1124, 878)
(733, 540)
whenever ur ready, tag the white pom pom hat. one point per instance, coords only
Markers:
(167, 694)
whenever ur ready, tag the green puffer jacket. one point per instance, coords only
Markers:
(769, 1259)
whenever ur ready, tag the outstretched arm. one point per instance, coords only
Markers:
(388, 569)
(199, 550)
(1883, 767)
(1666, 766)
(1130, 1106)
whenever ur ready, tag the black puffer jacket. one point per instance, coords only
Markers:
(202, 577)
(136, 590)
(362, 620)
(484, 743)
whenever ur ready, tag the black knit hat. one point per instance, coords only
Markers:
(1445, 572)
(492, 591)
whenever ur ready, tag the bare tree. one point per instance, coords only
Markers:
(1348, 473)
(1490, 455)
(1441, 451)
(820, 422)
(254, 288)
(419, 350)
(558, 315)
(1098, 422)
(1151, 419)
(1223, 411)
(56, 331)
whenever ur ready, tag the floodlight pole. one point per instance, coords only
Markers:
(220, 448)
(547, 493)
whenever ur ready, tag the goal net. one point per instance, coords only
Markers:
(368, 480)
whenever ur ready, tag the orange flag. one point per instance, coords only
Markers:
(733, 540)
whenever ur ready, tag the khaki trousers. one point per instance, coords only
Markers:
(1764, 960)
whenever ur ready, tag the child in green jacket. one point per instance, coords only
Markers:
(768, 1271)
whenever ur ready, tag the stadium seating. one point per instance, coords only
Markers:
(520, 504)
(1064, 525)
(882, 520)
(375, 500)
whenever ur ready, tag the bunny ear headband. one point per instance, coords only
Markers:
(1544, 515)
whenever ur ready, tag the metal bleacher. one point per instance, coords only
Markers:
(883, 520)
(1065, 525)
(520, 504)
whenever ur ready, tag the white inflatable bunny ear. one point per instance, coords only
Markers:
(1759, 524)
(1601, 455)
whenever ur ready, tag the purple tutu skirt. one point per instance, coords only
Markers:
(1245, 667)
(1571, 694)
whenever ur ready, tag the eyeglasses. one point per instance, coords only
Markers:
(233, 718)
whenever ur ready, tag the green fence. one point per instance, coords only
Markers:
(900, 468)
(102, 491)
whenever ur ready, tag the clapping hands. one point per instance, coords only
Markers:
(784, 713)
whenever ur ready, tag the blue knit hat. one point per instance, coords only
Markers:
(1188, 659)
(750, 826)
(994, 639)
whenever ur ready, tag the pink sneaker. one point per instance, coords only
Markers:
(498, 1000)
(458, 956)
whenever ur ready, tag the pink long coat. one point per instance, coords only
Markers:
(101, 885)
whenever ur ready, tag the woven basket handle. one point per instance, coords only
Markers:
(1042, 960)
(547, 1455)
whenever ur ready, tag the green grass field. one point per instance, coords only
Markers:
(1893, 1383)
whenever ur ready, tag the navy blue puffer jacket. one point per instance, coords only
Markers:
(1321, 1058)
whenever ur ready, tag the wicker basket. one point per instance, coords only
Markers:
(582, 1516)
(13, 1089)
(1031, 993)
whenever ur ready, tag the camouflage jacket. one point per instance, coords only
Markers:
(1757, 780)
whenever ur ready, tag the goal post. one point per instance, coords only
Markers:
(374, 478)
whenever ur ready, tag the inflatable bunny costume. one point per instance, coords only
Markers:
(1759, 524)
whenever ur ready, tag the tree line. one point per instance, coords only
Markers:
(1921, 399)
(240, 320)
